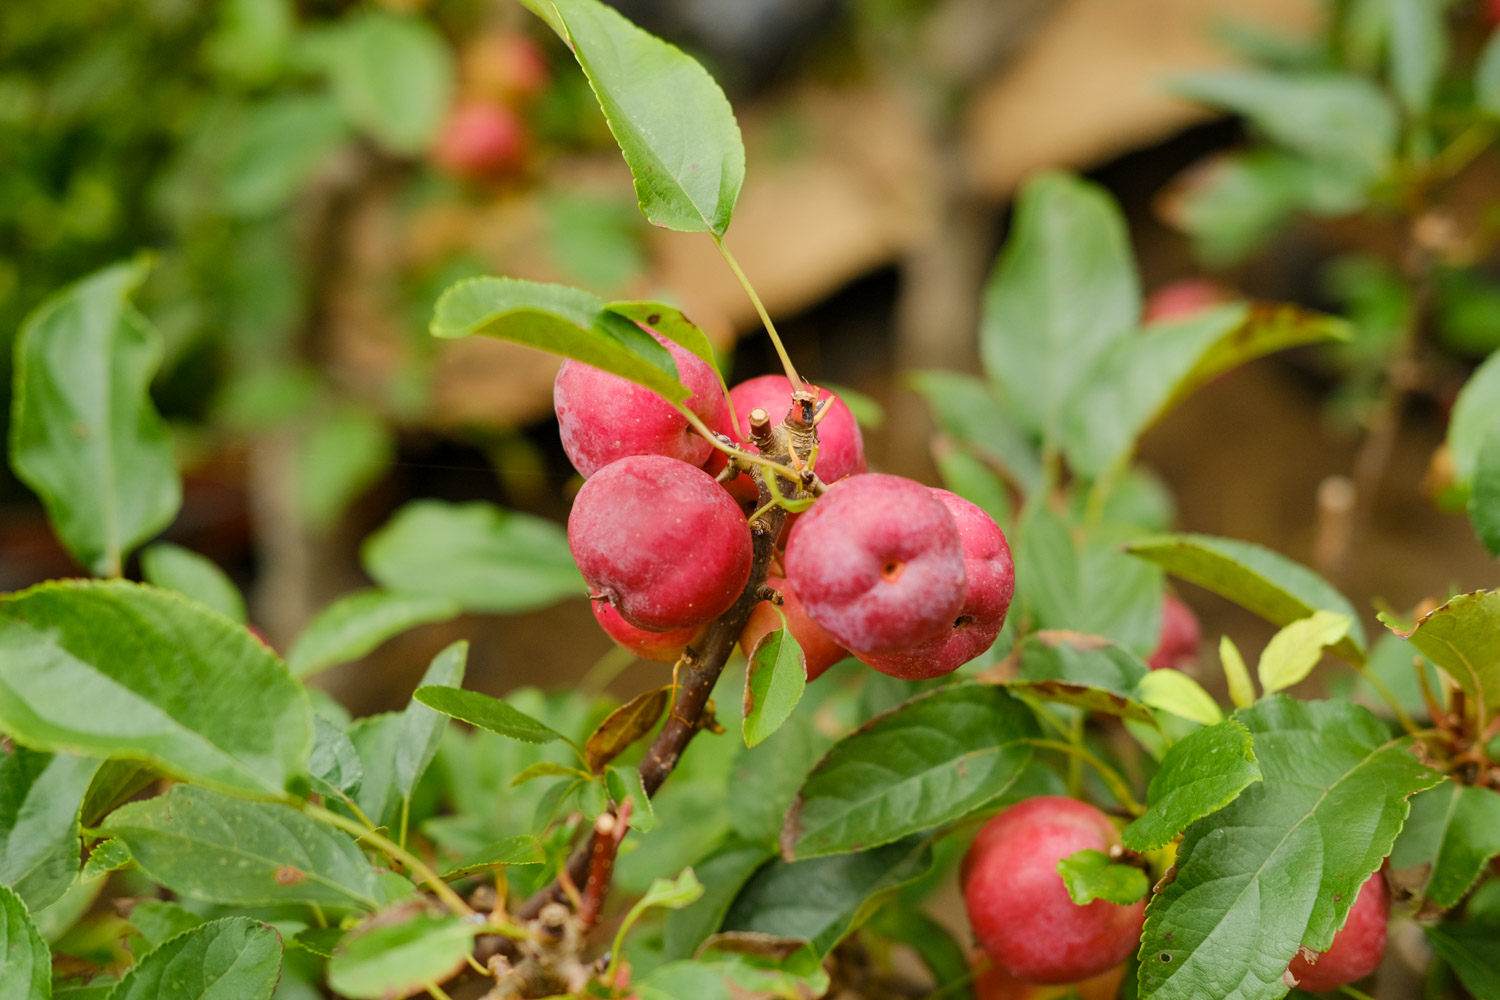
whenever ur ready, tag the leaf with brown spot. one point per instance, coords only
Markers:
(288, 875)
(624, 726)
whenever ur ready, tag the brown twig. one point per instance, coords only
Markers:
(703, 666)
(706, 664)
(1384, 425)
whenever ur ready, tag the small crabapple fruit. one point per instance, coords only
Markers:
(841, 447)
(1180, 636)
(603, 417)
(664, 647)
(819, 650)
(479, 140)
(1357, 948)
(660, 540)
(990, 583)
(993, 983)
(1019, 907)
(1183, 298)
(878, 562)
(505, 66)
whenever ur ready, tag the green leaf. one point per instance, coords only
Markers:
(1236, 676)
(158, 921)
(726, 975)
(972, 478)
(482, 557)
(338, 458)
(1137, 379)
(1201, 773)
(334, 765)
(1237, 206)
(1280, 866)
(107, 856)
(1176, 692)
(1085, 582)
(40, 796)
(1293, 652)
(209, 846)
(1473, 952)
(320, 941)
(1090, 875)
(377, 739)
(382, 961)
(392, 75)
(1452, 833)
(84, 433)
(672, 121)
(1085, 671)
(549, 769)
(1487, 77)
(173, 567)
(1064, 289)
(231, 959)
(624, 726)
(422, 728)
(671, 893)
(767, 780)
(1484, 493)
(25, 962)
(934, 759)
(822, 899)
(279, 144)
(670, 323)
(522, 850)
(1476, 412)
(1340, 121)
(560, 320)
(164, 678)
(774, 681)
(625, 785)
(723, 874)
(486, 712)
(357, 623)
(1257, 579)
(1417, 51)
(964, 408)
(1462, 637)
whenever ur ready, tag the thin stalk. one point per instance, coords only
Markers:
(318, 917)
(1075, 766)
(1117, 784)
(405, 820)
(1384, 690)
(777, 467)
(606, 669)
(436, 992)
(1350, 991)
(396, 852)
(1434, 707)
(765, 317)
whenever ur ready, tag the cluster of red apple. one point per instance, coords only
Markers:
(485, 134)
(913, 581)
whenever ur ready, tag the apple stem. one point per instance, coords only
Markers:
(765, 317)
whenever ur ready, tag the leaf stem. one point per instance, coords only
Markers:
(779, 468)
(1117, 784)
(1350, 991)
(1384, 690)
(765, 317)
(396, 852)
